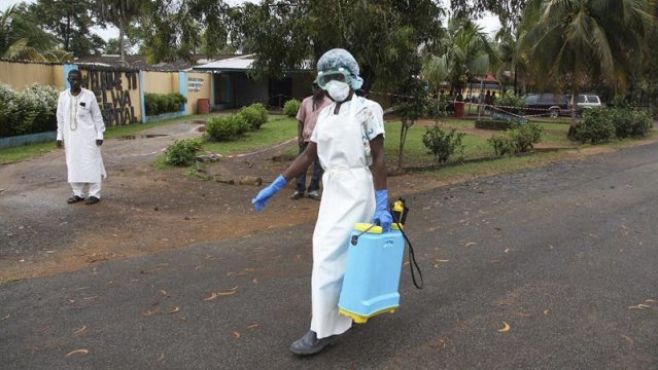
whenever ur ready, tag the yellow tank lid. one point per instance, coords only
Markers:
(369, 228)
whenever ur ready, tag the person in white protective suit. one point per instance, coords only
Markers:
(349, 140)
(80, 130)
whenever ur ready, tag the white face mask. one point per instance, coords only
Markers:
(337, 90)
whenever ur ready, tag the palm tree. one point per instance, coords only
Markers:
(572, 42)
(512, 57)
(468, 52)
(20, 38)
(121, 13)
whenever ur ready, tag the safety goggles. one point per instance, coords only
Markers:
(340, 74)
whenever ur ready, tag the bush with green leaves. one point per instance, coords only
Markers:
(182, 152)
(29, 111)
(595, 127)
(225, 128)
(493, 124)
(525, 136)
(502, 144)
(630, 122)
(510, 103)
(163, 103)
(443, 144)
(291, 107)
(520, 139)
(255, 115)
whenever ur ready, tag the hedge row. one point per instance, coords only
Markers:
(229, 127)
(493, 124)
(601, 125)
(163, 103)
(30, 111)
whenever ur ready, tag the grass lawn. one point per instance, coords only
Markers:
(276, 130)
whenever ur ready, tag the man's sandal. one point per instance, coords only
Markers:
(74, 199)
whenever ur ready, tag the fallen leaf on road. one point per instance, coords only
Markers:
(215, 295)
(253, 326)
(254, 280)
(628, 339)
(81, 351)
(163, 292)
(505, 328)
(651, 300)
(507, 250)
(175, 309)
(151, 312)
(438, 260)
(639, 306)
(161, 357)
(469, 244)
(546, 312)
(236, 334)
(80, 330)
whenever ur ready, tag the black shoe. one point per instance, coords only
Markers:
(315, 195)
(309, 344)
(297, 195)
(74, 199)
(92, 200)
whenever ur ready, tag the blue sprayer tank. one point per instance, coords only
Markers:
(372, 276)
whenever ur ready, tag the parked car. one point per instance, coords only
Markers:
(558, 104)
(546, 103)
(586, 101)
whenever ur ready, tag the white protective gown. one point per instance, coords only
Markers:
(348, 197)
(80, 124)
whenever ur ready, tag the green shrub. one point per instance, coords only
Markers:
(511, 103)
(242, 123)
(629, 122)
(595, 127)
(225, 128)
(291, 107)
(262, 111)
(255, 116)
(491, 124)
(163, 103)
(182, 152)
(525, 136)
(502, 144)
(520, 139)
(443, 144)
(29, 111)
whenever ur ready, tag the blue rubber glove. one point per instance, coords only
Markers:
(382, 216)
(261, 199)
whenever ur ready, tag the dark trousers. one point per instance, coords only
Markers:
(316, 175)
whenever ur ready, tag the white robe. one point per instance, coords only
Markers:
(348, 197)
(79, 125)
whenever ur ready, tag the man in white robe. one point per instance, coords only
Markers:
(80, 130)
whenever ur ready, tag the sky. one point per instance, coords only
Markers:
(489, 22)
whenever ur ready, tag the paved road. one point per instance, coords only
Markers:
(566, 255)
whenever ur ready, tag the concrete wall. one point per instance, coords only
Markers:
(199, 86)
(160, 82)
(21, 75)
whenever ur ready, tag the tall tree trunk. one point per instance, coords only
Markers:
(122, 51)
(574, 104)
(403, 137)
(516, 91)
(67, 34)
